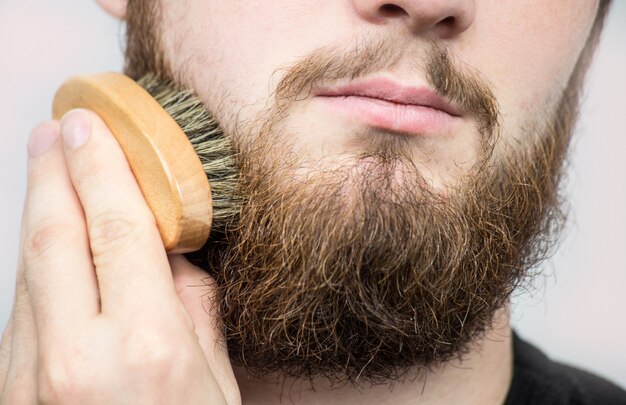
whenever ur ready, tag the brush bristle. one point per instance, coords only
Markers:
(216, 151)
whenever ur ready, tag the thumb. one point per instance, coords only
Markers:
(197, 291)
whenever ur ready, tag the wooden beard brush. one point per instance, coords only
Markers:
(174, 147)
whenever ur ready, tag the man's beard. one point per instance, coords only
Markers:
(364, 271)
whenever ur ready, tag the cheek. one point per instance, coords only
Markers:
(528, 51)
(236, 51)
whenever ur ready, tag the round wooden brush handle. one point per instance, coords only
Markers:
(164, 162)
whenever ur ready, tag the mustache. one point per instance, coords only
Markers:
(457, 82)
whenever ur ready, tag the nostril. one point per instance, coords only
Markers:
(392, 10)
(447, 27)
(448, 21)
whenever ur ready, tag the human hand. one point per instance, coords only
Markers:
(101, 314)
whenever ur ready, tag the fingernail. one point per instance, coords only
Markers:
(75, 128)
(42, 138)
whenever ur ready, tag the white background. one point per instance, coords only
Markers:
(577, 310)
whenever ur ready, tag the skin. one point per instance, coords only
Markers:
(74, 283)
(499, 41)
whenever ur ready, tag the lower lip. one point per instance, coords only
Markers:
(404, 118)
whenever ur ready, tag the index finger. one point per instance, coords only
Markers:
(130, 260)
(55, 260)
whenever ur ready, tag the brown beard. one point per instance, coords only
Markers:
(358, 274)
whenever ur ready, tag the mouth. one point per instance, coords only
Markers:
(385, 104)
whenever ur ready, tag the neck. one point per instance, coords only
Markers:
(483, 377)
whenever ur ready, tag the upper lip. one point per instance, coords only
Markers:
(392, 91)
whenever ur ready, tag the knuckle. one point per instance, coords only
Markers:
(60, 381)
(111, 232)
(155, 353)
(42, 238)
(92, 174)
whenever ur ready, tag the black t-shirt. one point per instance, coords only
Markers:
(538, 380)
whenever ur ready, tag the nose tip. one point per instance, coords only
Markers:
(442, 18)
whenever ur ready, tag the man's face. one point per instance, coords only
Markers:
(376, 236)
(235, 54)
